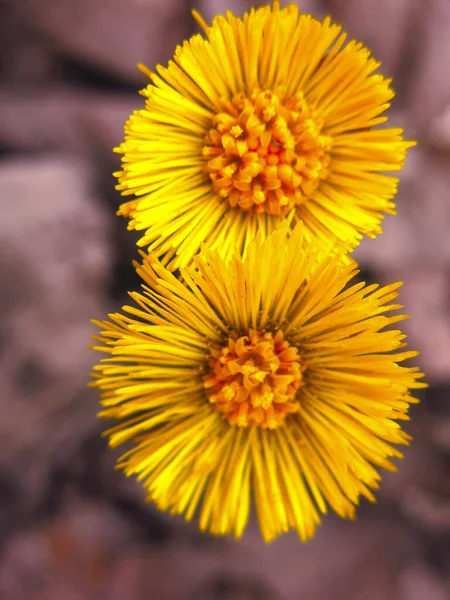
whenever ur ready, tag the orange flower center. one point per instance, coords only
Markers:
(253, 379)
(264, 154)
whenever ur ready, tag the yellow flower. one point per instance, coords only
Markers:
(271, 116)
(269, 377)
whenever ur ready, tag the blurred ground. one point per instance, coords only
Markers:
(70, 526)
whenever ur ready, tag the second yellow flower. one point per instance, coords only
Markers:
(271, 116)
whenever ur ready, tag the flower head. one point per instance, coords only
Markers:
(271, 116)
(269, 377)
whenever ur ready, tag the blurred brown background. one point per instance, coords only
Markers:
(70, 526)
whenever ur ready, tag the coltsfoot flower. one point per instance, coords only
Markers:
(272, 378)
(271, 116)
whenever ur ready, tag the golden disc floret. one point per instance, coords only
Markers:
(254, 378)
(265, 155)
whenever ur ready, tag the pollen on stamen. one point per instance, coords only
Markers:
(236, 131)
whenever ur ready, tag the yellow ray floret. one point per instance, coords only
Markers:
(271, 378)
(271, 116)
